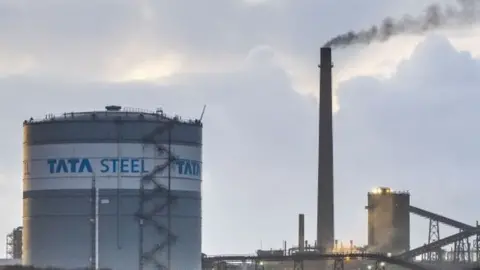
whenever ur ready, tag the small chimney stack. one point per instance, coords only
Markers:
(301, 232)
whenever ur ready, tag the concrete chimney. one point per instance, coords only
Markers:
(301, 232)
(325, 212)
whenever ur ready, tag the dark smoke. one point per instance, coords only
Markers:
(434, 17)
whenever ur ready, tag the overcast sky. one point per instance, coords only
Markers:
(407, 110)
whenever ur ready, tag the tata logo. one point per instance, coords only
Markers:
(71, 165)
(188, 167)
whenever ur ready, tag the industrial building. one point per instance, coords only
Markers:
(113, 189)
(388, 247)
(388, 223)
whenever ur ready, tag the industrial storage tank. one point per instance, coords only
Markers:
(388, 221)
(117, 189)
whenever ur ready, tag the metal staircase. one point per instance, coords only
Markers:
(155, 198)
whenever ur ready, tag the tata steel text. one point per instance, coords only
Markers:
(118, 165)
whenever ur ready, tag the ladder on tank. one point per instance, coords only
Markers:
(156, 197)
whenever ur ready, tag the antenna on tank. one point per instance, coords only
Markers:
(203, 112)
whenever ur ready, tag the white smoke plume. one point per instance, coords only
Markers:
(465, 13)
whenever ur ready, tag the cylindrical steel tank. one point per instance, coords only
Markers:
(115, 149)
(388, 221)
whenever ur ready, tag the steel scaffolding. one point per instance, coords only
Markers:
(463, 251)
(434, 236)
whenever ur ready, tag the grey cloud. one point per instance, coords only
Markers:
(416, 131)
(91, 38)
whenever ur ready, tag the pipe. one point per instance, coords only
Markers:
(93, 222)
(301, 232)
(325, 199)
(97, 226)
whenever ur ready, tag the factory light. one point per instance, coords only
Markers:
(381, 190)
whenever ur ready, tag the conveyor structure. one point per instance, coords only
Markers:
(440, 243)
(440, 218)
(461, 252)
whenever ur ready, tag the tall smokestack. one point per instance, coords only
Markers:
(325, 215)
